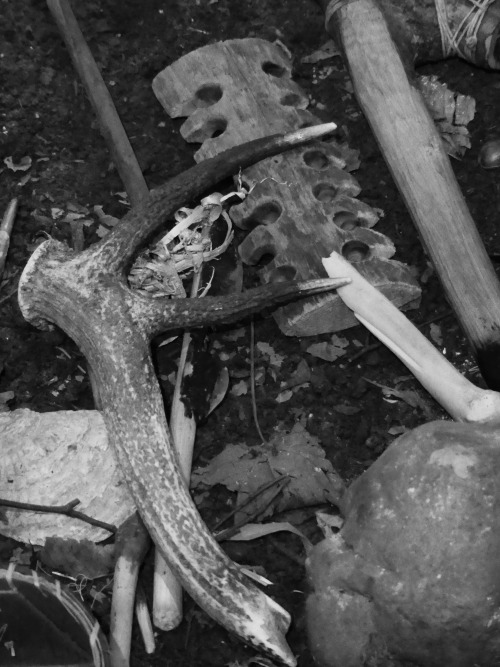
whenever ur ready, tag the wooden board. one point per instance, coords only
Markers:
(304, 202)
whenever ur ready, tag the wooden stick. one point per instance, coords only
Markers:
(104, 108)
(421, 169)
(144, 619)
(131, 545)
(463, 400)
(6, 231)
(167, 591)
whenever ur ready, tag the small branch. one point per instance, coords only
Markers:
(275, 482)
(67, 510)
(375, 346)
(280, 484)
(104, 108)
(252, 383)
(6, 231)
(132, 542)
(167, 590)
(155, 316)
(144, 620)
(9, 295)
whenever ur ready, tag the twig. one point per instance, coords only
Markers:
(247, 501)
(8, 295)
(131, 544)
(167, 591)
(105, 110)
(229, 532)
(375, 346)
(252, 382)
(6, 231)
(286, 552)
(144, 619)
(58, 509)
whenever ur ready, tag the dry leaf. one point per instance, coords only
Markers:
(329, 351)
(252, 531)
(23, 165)
(284, 396)
(301, 375)
(409, 396)
(239, 389)
(266, 350)
(435, 334)
(328, 50)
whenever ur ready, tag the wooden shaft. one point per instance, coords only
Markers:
(6, 231)
(422, 171)
(104, 108)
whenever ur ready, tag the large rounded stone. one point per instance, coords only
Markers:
(414, 574)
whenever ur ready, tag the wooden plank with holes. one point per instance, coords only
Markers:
(303, 203)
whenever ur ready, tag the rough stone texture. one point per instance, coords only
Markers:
(415, 569)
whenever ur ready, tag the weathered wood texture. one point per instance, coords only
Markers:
(304, 203)
(106, 114)
(422, 171)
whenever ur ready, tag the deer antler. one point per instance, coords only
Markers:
(86, 294)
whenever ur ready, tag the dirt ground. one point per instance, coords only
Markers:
(45, 116)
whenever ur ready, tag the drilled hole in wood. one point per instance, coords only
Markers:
(346, 220)
(215, 127)
(266, 257)
(324, 192)
(272, 69)
(355, 251)
(282, 274)
(208, 95)
(291, 100)
(315, 159)
(266, 214)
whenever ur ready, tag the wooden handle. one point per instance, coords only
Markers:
(104, 108)
(421, 169)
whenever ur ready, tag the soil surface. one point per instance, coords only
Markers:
(47, 118)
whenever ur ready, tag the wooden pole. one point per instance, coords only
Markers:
(109, 121)
(422, 171)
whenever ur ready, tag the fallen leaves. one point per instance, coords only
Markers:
(296, 455)
(328, 50)
(23, 165)
(409, 396)
(253, 531)
(329, 351)
(435, 334)
(451, 111)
